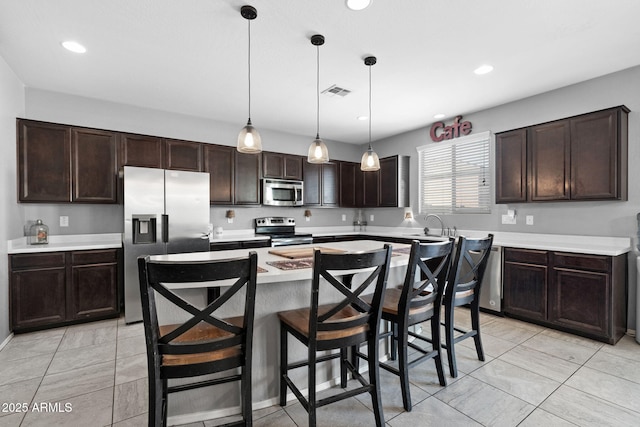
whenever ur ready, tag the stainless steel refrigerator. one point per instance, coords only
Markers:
(165, 212)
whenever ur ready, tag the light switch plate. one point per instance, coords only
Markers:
(64, 221)
(529, 219)
(371, 217)
(506, 219)
(344, 217)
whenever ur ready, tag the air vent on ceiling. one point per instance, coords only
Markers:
(336, 90)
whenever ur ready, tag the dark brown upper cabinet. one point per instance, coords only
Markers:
(549, 151)
(283, 166)
(161, 153)
(60, 164)
(371, 189)
(94, 165)
(142, 151)
(248, 171)
(219, 161)
(394, 182)
(578, 158)
(599, 155)
(44, 162)
(350, 185)
(511, 166)
(321, 184)
(183, 155)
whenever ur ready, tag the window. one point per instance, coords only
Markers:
(454, 175)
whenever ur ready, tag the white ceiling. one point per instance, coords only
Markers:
(190, 56)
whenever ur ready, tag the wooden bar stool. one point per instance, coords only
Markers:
(463, 287)
(204, 344)
(338, 326)
(418, 300)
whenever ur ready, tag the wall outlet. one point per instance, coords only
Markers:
(506, 219)
(529, 219)
(64, 221)
(371, 217)
(344, 217)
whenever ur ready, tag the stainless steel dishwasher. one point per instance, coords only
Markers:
(491, 292)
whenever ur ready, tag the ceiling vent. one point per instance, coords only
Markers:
(336, 90)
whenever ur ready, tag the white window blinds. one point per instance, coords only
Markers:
(454, 175)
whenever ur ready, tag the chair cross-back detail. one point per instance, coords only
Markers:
(463, 287)
(205, 343)
(418, 300)
(337, 326)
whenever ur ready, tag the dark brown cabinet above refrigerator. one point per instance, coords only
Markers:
(577, 158)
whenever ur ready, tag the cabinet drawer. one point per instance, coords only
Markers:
(94, 257)
(582, 262)
(32, 261)
(528, 256)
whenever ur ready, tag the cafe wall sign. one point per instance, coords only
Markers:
(439, 132)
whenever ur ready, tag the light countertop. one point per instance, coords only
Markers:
(75, 242)
(594, 245)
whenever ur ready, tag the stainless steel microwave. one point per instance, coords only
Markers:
(281, 192)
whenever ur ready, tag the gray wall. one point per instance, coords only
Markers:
(11, 105)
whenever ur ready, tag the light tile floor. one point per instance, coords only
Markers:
(532, 376)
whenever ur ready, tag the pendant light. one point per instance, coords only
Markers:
(318, 152)
(370, 161)
(249, 140)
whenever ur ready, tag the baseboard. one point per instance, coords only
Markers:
(6, 341)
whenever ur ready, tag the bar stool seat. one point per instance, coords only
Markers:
(298, 320)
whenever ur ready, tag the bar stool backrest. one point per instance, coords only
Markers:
(337, 269)
(467, 270)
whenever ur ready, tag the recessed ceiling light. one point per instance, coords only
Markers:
(483, 69)
(358, 4)
(439, 116)
(363, 118)
(74, 46)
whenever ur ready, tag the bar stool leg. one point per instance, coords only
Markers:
(374, 381)
(394, 341)
(343, 367)
(435, 341)
(403, 362)
(448, 327)
(283, 365)
(312, 387)
(475, 324)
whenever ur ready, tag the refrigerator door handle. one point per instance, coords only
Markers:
(165, 228)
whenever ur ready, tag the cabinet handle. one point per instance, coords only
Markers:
(165, 228)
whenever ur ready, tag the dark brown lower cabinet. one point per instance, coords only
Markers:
(57, 288)
(577, 293)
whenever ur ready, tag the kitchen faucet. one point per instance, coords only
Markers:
(426, 229)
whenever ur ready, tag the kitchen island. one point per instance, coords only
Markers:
(277, 290)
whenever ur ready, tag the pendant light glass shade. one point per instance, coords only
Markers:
(249, 140)
(318, 152)
(370, 161)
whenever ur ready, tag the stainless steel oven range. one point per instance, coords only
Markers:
(282, 231)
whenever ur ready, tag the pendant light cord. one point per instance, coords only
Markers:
(249, 67)
(370, 108)
(317, 92)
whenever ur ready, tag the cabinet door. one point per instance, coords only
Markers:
(511, 166)
(293, 167)
(312, 184)
(183, 155)
(524, 283)
(143, 151)
(389, 182)
(94, 165)
(595, 151)
(37, 289)
(371, 187)
(580, 300)
(549, 161)
(219, 161)
(93, 288)
(248, 171)
(44, 162)
(350, 185)
(330, 190)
